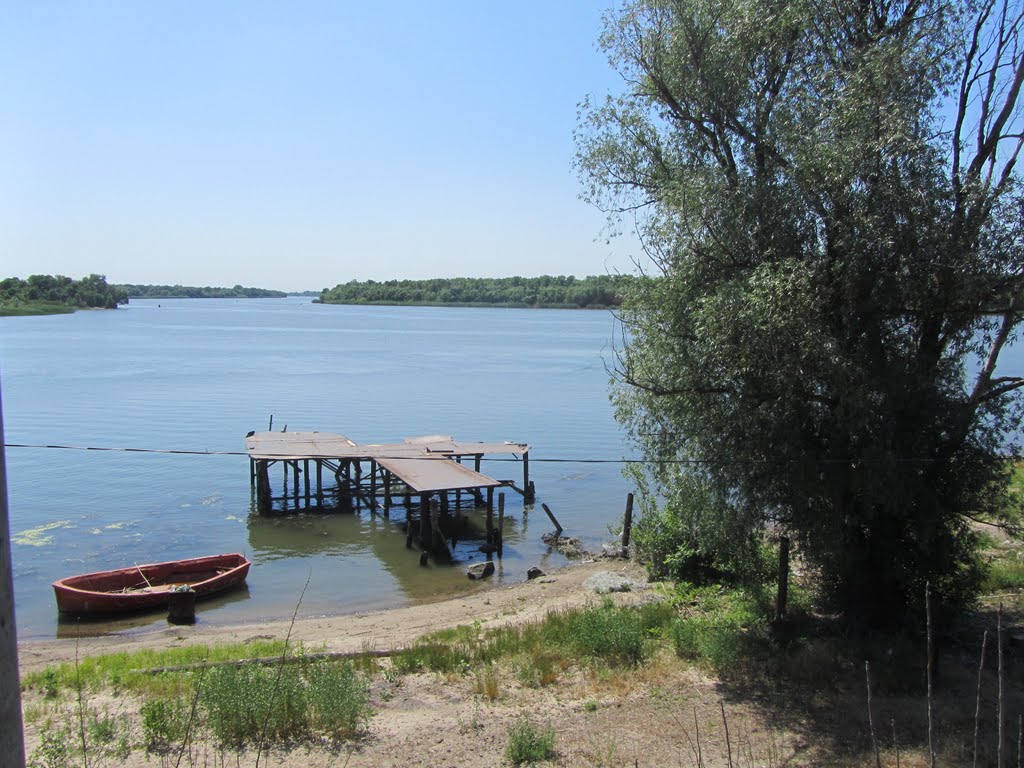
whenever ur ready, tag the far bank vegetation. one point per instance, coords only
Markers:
(56, 294)
(546, 291)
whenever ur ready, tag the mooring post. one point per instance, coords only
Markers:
(783, 590)
(627, 525)
(501, 522)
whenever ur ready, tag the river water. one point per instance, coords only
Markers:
(197, 374)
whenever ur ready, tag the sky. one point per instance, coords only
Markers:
(298, 145)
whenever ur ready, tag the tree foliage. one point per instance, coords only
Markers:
(827, 199)
(197, 292)
(564, 291)
(91, 291)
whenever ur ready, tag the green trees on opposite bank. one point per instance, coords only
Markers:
(829, 191)
(41, 294)
(194, 292)
(545, 291)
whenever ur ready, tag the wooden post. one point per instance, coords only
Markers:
(477, 496)
(558, 527)
(252, 472)
(424, 521)
(386, 478)
(782, 595)
(501, 522)
(359, 482)
(319, 482)
(305, 478)
(12, 737)
(373, 485)
(490, 498)
(263, 497)
(527, 491)
(490, 527)
(439, 543)
(408, 528)
(627, 525)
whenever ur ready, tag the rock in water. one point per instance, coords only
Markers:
(534, 573)
(480, 570)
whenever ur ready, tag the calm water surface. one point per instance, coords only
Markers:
(198, 374)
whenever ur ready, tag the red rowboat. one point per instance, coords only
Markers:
(148, 586)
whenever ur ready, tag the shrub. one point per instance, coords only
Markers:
(528, 743)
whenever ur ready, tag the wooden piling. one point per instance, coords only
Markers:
(319, 482)
(424, 521)
(439, 543)
(527, 491)
(490, 526)
(558, 527)
(627, 525)
(305, 478)
(408, 528)
(501, 523)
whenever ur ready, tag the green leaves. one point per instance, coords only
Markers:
(824, 274)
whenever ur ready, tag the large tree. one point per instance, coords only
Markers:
(832, 225)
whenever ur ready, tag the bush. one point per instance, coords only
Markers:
(238, 700)
(528, 743)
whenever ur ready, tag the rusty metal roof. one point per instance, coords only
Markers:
(429, 474)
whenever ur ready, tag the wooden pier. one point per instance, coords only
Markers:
(427, 477)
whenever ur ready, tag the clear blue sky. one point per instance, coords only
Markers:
(297, 145)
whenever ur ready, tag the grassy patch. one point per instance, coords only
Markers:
(121, 671)
(19, 309)
(284, 704)
(1005, 573)
(529, 743)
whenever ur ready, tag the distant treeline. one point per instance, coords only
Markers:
(195, 292)
(46, 294)
(546, 291)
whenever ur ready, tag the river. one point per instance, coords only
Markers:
(197, 374)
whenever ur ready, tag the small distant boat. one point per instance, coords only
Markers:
(148, 586)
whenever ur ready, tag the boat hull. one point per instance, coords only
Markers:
(143, 587)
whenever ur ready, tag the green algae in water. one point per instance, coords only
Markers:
(36, 537)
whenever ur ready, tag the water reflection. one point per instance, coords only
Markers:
(96, 626)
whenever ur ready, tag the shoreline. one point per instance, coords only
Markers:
(521, 602)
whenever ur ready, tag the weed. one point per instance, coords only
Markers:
(1005, 573)
(54, 750)
(338, 698)
(163, 723)
(487, 682)
(528, 743)
(590, 705)
(614, 635)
